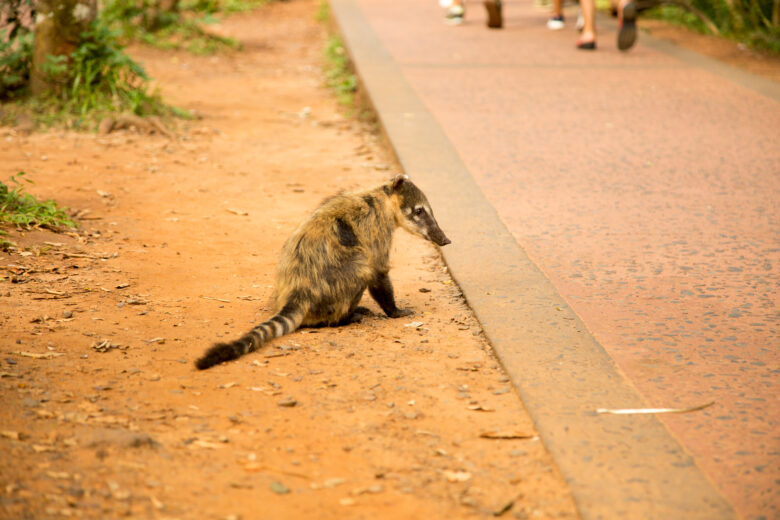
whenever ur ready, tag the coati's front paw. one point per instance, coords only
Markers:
(400, 313)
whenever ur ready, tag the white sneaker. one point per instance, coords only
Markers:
(454, 15)
(555, 23)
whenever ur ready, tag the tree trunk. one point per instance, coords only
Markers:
(58, 28)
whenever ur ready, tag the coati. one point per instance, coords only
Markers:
(329, 261)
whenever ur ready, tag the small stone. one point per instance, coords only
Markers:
(67, 314)
(287, 402)
(279, 488)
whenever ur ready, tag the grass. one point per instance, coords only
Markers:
(24, 211)
(95, 80)
(747, 22)
(338, 74)
(180, 29)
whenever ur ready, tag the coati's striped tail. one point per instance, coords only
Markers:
(288, 319)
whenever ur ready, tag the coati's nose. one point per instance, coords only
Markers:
(443, 241)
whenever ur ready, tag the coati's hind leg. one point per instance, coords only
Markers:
(381, 290)
(354, 315)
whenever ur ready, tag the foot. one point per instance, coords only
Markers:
(555, 23)
(495, 19)
(400, 313)
(586, 45)
(627, 30)
(454, 14)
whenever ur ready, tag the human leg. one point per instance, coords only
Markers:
(587, 39)
(556, 20)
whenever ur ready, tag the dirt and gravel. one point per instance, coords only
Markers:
(104, 415)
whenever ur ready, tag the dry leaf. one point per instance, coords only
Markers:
(206, 445)
(457, 476)
(47, 355)
(628, 411)
(509, 434)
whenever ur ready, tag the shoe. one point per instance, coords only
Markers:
(586, 46)
(555, 23)
(454, 15)
(627, 31)
(495, 20)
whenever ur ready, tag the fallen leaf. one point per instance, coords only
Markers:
(205, 444)
(457, 476)
(506, 507)
(497, 434)
(627, 411)
(216, 299)
(47, 355)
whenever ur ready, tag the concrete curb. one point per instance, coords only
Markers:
(616, 466)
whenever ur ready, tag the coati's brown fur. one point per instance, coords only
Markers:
(341, 250)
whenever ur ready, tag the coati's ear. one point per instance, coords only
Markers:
(398, 180)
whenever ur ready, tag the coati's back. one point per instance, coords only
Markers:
(329, 261)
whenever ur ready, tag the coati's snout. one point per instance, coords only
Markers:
(441, 239)
(417, 214)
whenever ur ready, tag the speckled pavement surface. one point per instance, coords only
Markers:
(646, 188)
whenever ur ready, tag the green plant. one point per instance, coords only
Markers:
(180, 27)
(221, 6)
(16, 47)
(323, 12)
(754, 22)
(23, 210)
(338, 75)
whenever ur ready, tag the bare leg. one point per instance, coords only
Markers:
(557, 8)
(589, 17)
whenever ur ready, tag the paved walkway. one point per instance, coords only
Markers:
(644, 185)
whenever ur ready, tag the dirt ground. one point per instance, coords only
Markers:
(103, 413)
(738, 55)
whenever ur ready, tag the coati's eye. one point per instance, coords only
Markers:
(419, 211)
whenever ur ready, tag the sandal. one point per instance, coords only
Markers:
(627, 30)
(586, 46)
